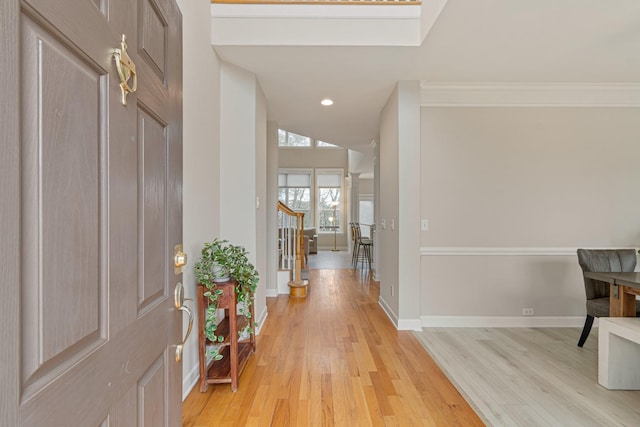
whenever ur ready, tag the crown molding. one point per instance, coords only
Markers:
(529, 94)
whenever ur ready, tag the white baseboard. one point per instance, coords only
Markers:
(385, 307)
(410, 325)
(284, 276)
(261, 320)
(400, 324)
(271, 293)
(502, 321)
(190, 380)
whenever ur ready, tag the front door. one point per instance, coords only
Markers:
(91, 211)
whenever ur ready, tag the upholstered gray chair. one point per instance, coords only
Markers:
(311, 234)
(602, 261)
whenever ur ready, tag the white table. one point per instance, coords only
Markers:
(619, 353)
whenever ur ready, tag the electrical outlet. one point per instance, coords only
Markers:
(424, 225)
(527, 311)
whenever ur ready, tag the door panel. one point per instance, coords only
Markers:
(61, 206)
(83, 24)
(152, 152)
(151, 388)
(124, 411)
(102, 5)
(94, 209)
(152, 30)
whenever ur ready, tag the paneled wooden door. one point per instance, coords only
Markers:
(91, 211)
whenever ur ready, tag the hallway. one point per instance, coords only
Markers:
(327, 259)
(333, 358)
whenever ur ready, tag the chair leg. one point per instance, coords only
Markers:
(369, 256)
(353, 255)
(588, 323)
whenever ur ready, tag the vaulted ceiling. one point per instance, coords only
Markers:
(497, 41)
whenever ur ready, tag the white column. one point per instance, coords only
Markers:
(355, 202)
(355, 196)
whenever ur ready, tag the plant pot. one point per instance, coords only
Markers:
(220, 273)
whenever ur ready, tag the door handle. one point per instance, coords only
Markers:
(179, 304)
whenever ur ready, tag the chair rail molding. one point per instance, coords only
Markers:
(502, 251)
(529, 94)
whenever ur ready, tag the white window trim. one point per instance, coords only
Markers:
(324, 147)
(312, 188)
(311, 145)
(322, 171)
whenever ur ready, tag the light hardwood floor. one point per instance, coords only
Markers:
(329, 260)
(333, 358)
(530, 377)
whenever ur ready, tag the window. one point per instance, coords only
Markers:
(329, 193)
(294, 190)
(322, 144)
(290, 139)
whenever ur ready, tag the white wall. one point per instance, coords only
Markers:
(224, 160)
(366, 186)
(272, 212)
(408, 220)
(238, 157)
(548, 180)
(201, 145)
(262, 209)
(242, 130)
(399, 206)
(387, 244)
(376, 209)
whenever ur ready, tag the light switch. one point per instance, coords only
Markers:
(383, 224)
(393, 224)
(424, 225)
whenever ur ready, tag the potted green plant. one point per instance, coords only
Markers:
(220, 261)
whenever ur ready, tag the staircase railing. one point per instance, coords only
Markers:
(291, 243)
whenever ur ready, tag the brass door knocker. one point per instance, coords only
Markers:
(126, 70)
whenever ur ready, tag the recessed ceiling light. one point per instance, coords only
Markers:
(326, 102)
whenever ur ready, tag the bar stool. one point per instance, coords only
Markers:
(361, 243)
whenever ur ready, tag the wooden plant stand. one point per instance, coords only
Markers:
(235, 352)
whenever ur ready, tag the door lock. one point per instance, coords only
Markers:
(179, 258)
